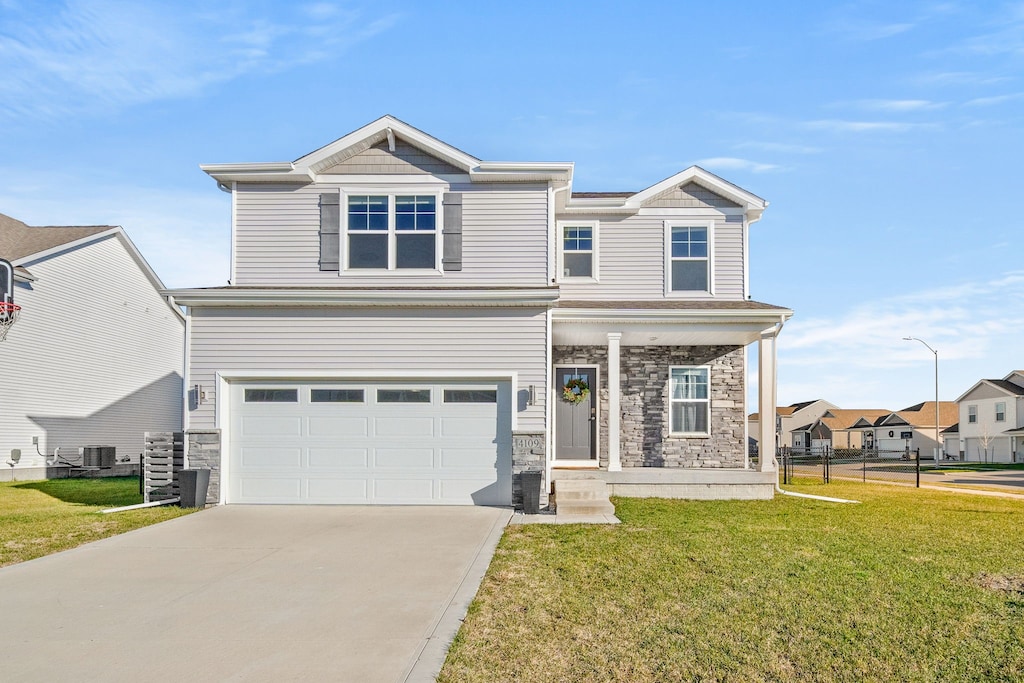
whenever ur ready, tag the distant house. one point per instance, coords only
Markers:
(951, 442)
(787, 417)
(96, 356)
(992, 420)
(840, 428)
(912, 428)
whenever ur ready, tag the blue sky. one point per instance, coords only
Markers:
(887, 137)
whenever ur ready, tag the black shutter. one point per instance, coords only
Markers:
(330, 231)
(451, 258)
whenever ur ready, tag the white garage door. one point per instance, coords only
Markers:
(446, 443)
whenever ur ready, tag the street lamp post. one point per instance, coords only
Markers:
(928, 346)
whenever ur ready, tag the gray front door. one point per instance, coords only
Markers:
(575, 424)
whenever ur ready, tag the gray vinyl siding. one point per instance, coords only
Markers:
(504, 235)
(312, 341)
(96, 358)
(405, 160)
(632, 259)
(690, 195)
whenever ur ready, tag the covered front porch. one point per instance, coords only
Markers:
(666, 415)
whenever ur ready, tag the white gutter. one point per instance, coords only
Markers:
(342, 297)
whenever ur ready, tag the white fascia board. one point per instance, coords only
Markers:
(274, 171)
(713, 182)
(341, 297)
(769, 317)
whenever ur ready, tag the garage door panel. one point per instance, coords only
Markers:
(402, 490)
(336, 449)
(403, 426)
(271, 425)
(468, 426)
(337, 426)
(404, 458)
(467, 457)
(271, 456)
(338, 490)
(339, 457)
(277, 488)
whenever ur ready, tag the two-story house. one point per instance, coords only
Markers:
(992, 420)
(406, 323)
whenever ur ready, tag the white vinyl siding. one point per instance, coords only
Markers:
(95, 358)
(504, 238)
(633, 258)
(309, 342)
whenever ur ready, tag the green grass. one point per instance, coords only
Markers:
(975, 467)
(910, 585)
(42, 517)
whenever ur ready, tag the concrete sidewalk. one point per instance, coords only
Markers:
(252, 593)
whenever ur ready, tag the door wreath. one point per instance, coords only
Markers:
(575, 391)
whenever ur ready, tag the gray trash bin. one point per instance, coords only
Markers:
(530, 481)
(192, 487)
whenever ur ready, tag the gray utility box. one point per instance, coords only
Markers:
(193, 486)
(99, 456)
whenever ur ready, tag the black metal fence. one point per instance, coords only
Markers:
(863, 464)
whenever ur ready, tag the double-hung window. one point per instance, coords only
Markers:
(690, 399)
(972, 414)
(688, 258)
(388, 232)
(577, 250)
(1001, 412)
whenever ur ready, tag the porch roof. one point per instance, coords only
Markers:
(664, 322)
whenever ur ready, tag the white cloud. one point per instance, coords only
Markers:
(943, 78)
(842, 126)
(994, 100)
(900, 105)
(863, 30)
(735, 164)
(857, 356)
(96, 55)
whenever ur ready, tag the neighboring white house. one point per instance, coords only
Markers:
(992, 420)
(96, 356)
(838, 428)
(787, 418)
(405, 322)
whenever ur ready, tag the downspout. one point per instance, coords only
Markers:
(779, 489)
(549, 353)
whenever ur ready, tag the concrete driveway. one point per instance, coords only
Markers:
(252, 593)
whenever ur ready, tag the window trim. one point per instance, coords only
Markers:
(972, 415)
(594, 226)
(996, 411)
(689, 293)
(391, 192)
(671, 400)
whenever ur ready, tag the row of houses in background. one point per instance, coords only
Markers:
(985, 424)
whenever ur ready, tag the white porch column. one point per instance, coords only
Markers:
(766, 442)
(614, 412)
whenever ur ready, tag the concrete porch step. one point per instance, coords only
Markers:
(582, 497)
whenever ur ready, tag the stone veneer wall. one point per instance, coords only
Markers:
(644, 404)
(204, 453)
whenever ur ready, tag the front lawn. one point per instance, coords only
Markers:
(909, 585)
(42, 517)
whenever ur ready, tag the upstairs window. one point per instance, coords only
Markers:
(388, 232)
(1000, 412)
(690, 400)
(972, 414)
(689, 261)
(578, 250)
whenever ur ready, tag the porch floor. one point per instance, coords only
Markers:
(717, 483)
